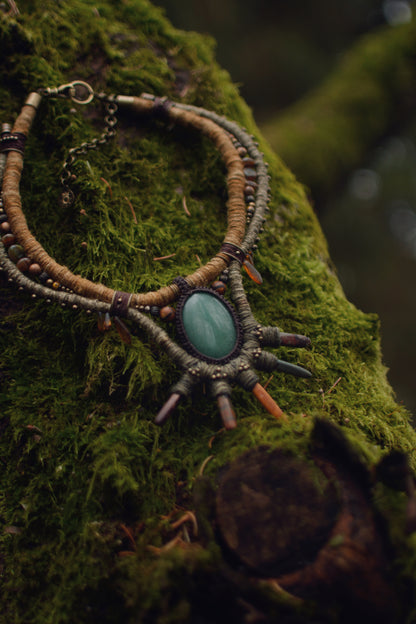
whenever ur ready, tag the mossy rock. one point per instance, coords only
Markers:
(91, 488)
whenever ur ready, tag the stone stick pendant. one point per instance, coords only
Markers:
(225, 344)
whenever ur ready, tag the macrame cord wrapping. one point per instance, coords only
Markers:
(30, 267)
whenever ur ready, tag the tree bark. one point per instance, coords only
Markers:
(106, 516)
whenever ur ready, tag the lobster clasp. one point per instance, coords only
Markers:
(78, 91)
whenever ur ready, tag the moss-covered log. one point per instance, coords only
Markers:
(107, 517)
(331, 130)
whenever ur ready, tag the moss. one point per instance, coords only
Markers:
(82, 458)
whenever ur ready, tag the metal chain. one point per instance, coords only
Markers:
(67, 176)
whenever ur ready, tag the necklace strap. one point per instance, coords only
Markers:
(232, 142)
(218, 344)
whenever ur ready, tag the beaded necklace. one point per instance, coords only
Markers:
(218, 344)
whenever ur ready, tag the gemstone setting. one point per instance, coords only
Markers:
(208, 326)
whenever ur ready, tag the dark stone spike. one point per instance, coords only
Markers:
(168, 408)
(292, 369)
(227, 412)
(294, 340)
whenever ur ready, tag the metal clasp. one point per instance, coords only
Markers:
(79, 91)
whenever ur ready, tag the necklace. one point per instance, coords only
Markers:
(218, 344)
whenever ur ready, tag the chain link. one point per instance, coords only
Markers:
(67, 176)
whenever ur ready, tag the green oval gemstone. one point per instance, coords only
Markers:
(209, 325)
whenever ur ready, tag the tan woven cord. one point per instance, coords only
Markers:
(236, 212)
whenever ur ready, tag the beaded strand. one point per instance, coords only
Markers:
(32, 269)
(235, 245)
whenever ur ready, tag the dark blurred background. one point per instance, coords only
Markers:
(276, 51)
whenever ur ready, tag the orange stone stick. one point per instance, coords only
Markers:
(268, 403)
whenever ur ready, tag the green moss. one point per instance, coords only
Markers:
(81, 456)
